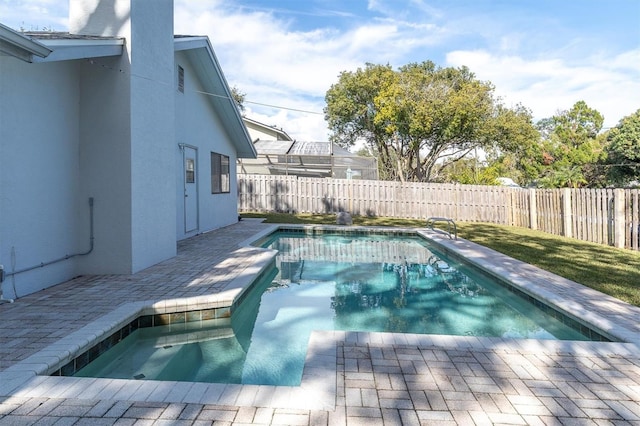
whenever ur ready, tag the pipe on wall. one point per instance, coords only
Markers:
(4, 275)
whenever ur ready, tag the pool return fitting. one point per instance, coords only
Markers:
(4, 274)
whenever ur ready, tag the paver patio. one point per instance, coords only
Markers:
(364, 378)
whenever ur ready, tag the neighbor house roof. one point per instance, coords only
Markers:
(308, 158)
(297, 148)
(315, 148)
(272, 147)
(20, 46)
(279, 134)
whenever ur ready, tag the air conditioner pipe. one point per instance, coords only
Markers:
(66, 257)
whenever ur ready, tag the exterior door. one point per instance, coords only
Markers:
(190, 164)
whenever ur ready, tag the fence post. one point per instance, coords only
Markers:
(533, 213)
(295, 195)
(619, 224)
(567, 223)
(511, 210)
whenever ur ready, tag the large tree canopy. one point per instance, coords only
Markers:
(422, 118)
(571, 145)
(624, 150)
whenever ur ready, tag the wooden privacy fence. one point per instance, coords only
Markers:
(605, 216)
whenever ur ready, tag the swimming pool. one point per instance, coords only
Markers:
(346, 281)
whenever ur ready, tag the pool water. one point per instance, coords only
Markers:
(329, 282)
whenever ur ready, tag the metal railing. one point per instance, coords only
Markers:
(450, 223)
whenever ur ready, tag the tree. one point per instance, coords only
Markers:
(571, 146)
(564, 176)
(419, 119)
(238, 97)
(351, 109)
(519, 153)
(470, 171)
(623, 150)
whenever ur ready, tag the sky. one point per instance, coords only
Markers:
(285, 54)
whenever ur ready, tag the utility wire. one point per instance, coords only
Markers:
(287, 108)
(94, 62)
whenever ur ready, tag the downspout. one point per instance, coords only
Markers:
(3, 275)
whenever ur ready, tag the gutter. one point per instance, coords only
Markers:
(19, 46)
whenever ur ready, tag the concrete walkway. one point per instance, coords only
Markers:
(350, 378)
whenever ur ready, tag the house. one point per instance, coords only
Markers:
(258, 130)
(278, 154)
(117, 139)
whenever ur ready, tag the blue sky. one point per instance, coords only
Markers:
(544, 54)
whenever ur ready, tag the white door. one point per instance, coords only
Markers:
(190, 164)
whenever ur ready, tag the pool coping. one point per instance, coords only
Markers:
(533, 280)
(319, 384)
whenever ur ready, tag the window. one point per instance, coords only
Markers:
(180, 79)
(219, 173)
(190, 168)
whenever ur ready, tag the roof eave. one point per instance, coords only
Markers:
(17, 45)
(65, 50)
(201, 51)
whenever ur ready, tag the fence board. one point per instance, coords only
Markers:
(591, 216)
(632, 215)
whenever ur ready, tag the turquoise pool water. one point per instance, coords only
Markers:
(329, 282)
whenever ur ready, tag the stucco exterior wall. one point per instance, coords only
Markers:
(258, 132)
(152, 132)
(105, 163)
(198, 125)
(264, 132)
(108, 129)
(128, 128)
(42, 210)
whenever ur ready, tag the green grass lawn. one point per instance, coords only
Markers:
(610, 270)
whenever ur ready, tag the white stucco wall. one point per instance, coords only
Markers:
(99, 17)
(77, 129)
(197, 124)
(105, 164)
(104, 129)
(264, 132)
(42, 210)
(259, 132)
(152, 132)
(131, 160)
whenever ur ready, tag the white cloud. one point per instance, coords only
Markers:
(34, 15)
(256, 46)
(303, 127)
(271, 62)
(607, 84)
(268, 57)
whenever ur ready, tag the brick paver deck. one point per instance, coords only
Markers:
(350, 378)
